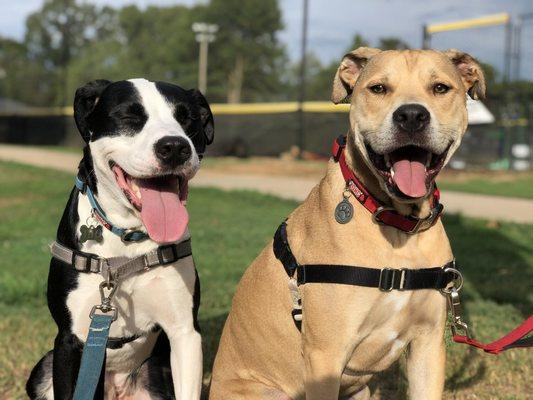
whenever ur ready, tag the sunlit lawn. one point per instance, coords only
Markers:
(229, 229)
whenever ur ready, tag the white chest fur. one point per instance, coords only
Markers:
(162, 296)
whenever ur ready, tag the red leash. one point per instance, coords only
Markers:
(388, 216)
(513, 339)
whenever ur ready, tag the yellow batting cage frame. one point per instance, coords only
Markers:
(477, 22)
(217, 108)
(487, 20)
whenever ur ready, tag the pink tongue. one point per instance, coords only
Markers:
(162, 212)
(410, 177)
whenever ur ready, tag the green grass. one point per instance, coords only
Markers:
(229, 229)
(521, 187)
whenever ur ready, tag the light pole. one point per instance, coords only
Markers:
(518, 42)
(301, 96)
(205, 34)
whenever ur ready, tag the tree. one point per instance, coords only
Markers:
(246, 58)
(358, 41)
(392, 43)
(320, 80)
(59, 31)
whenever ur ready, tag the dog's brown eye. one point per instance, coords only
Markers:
(440, 88)
(378, 89)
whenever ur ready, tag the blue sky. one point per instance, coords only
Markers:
(332, 24)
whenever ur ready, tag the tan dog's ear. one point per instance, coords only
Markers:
(351, 66)
(470, 71)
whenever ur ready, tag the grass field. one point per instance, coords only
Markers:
(519, 186)
(229, 229)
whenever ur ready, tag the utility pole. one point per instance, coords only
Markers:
(426, 38)
(508, 55)
(303, 61)
(518, 43)
(205, 34)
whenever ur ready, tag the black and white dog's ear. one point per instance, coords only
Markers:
(84, 101)
(206, 116)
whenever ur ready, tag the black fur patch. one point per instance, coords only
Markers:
(192, 112)
(119, 111)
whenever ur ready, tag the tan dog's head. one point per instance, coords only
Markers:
(408, 112)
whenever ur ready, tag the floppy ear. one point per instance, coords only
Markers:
(84, 101)
(470, 71)
(206, 116)
(349, 70)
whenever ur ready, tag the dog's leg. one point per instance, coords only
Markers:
(243, 389)
(425, 366)
(323, 371)
(174, 301)
(66, 364)
(39, 385)
(186, 363)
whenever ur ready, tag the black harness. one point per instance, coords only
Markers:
(386, 279)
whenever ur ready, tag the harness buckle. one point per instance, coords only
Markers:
(386, 279)
(167, 254)
(296, 300)
(402, 272)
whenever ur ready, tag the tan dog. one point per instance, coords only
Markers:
(407, 117)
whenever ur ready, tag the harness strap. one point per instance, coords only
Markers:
(114, 343)
(283, 252)
(93, 357)
(386, 279)
(121, 267)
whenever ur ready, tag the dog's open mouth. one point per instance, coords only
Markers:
(408, 171)
(160, 201)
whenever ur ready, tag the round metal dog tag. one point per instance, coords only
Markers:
(344, 211)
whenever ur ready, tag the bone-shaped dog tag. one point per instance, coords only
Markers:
(91, 232)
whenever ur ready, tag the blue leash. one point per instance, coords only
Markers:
(127, 235)
(92, 359)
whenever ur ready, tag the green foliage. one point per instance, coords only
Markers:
(392, 43)
(248, 56)
(69, 42)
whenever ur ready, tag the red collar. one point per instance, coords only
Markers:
(382, 214)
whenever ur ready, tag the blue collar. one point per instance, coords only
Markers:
(126, 235)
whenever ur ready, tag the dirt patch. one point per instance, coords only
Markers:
(493, 176)
(310, 169)
(266, 166)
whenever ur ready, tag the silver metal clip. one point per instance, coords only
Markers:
(296, 299)
(455, 308)
(105, 306)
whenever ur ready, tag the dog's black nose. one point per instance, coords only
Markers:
(172, 150)
(412, 118)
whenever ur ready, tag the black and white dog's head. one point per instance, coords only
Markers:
(146, 140)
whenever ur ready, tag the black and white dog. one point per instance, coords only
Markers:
(144, 143)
